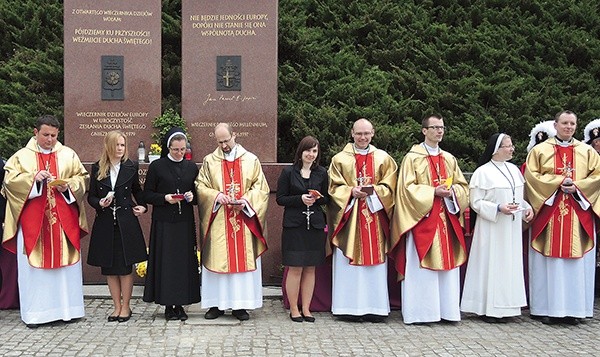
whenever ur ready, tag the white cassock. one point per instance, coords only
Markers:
(358, 289)
(232, 291)
(429, 295)
(47, 295)
(494, 283)
(562, 287)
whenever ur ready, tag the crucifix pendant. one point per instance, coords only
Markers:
(308, 212)
(114, 212)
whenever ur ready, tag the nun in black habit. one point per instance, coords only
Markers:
(172, 277)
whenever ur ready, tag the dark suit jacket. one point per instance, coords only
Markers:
(291, 187)
(128, 194)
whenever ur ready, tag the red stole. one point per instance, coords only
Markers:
(236, 223)
(44, 219)
(561, 218)
(439, 222)
(371, 225)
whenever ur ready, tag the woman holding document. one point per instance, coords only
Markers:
(302, 190)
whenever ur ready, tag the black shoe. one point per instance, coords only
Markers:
(170, 313)
(537, 317)
(32, 326)
(550, 320)
(125, 318)
(449, 322)
(113, 318)
(569, 320)
(181, 315)
(348, 318)
(241, 314)
(488, 319)
(213, 313)
(296, 318)
(308, 318)
(374, 318)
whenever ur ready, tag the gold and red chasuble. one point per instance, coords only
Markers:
(369, 231)
(563, 217)
(43, 221)
(439, 238)
(235, 222)
(369, 242)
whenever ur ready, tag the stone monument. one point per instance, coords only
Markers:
(229, 73)
(112, 66)
(112, 74)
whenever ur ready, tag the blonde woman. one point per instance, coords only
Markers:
(117, 241)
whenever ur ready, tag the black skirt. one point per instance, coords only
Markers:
(303, 247)
(172, 277)
(118, 258)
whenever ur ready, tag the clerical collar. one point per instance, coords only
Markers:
(44, 151)
(173, 159)
(561, 142)
(360, 151)
(230, 156)
(431, 150)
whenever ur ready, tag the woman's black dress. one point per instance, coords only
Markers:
(172, 276)
(117, 241)
(301, 246)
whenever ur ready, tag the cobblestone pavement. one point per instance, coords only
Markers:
(269, 332)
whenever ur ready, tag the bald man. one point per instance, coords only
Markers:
(362, 183)
(232, 201)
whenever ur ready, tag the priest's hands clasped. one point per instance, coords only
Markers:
(443, 191)
(43, 175)
(358, 193)
(237, 205)
(567, 186)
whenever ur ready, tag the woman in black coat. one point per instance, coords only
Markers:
(303, 237)
(117, 241)
(172, 278)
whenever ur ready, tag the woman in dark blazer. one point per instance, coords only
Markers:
(117, 241)
(303, 237)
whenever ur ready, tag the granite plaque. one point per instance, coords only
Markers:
(112, 77)
(229, 73)
(245, 93)
(112, 66)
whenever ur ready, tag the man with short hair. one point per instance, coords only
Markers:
(232, 202)
(427, 235)
(362, 179)
(45, 185)
(563, 186)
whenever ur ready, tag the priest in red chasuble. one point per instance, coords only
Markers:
(361, 185)
(44, 185)
(232, 201)
(428, 244)
(563, 185)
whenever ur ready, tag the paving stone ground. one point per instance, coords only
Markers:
(269, 332)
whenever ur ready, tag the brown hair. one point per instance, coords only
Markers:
(557, 116)
(425, 121)
(308, 142)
